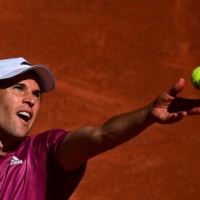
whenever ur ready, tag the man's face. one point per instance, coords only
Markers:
(19, 104)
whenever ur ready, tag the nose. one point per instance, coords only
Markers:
(29, 99)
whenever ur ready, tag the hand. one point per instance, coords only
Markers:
(168, 108)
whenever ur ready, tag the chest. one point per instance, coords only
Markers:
(21, 174)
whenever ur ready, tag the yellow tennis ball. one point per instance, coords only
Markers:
(195, 77)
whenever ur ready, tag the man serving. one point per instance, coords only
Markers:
(50, 165)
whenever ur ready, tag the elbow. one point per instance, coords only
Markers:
(104, 141)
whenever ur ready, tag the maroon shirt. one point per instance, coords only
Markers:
(32, 172)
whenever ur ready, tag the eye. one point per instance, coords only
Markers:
(37, 95)
(18, 88)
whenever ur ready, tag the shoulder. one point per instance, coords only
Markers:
(50, 135)
(48, 141)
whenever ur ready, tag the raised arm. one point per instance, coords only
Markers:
(87, 142)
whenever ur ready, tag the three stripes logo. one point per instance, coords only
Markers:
(15, 161)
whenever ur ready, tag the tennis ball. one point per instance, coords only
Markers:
(195, 77)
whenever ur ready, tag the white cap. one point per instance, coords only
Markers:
(15, 66)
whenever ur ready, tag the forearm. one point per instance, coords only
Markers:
(122, 128)
(87, 142)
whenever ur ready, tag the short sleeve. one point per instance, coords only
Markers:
(65, 182)
(54, 142)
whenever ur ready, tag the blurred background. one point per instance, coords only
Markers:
(110, 57)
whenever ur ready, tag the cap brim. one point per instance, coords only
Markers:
(45, 76)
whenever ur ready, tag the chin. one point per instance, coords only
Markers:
(20, 134)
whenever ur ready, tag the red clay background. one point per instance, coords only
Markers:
(110, 57)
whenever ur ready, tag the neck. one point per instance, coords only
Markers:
(2, 153)
(7, 146)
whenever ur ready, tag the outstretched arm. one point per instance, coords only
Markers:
(87, 142)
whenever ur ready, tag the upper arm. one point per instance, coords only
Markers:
(84, 143)
(80, 145)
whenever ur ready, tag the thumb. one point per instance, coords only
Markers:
(177, 88)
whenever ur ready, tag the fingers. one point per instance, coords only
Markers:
(177, 87)
(175, 117)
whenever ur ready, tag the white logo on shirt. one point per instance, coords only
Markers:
(15, 161)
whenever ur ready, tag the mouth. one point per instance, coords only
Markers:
(24, 115)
